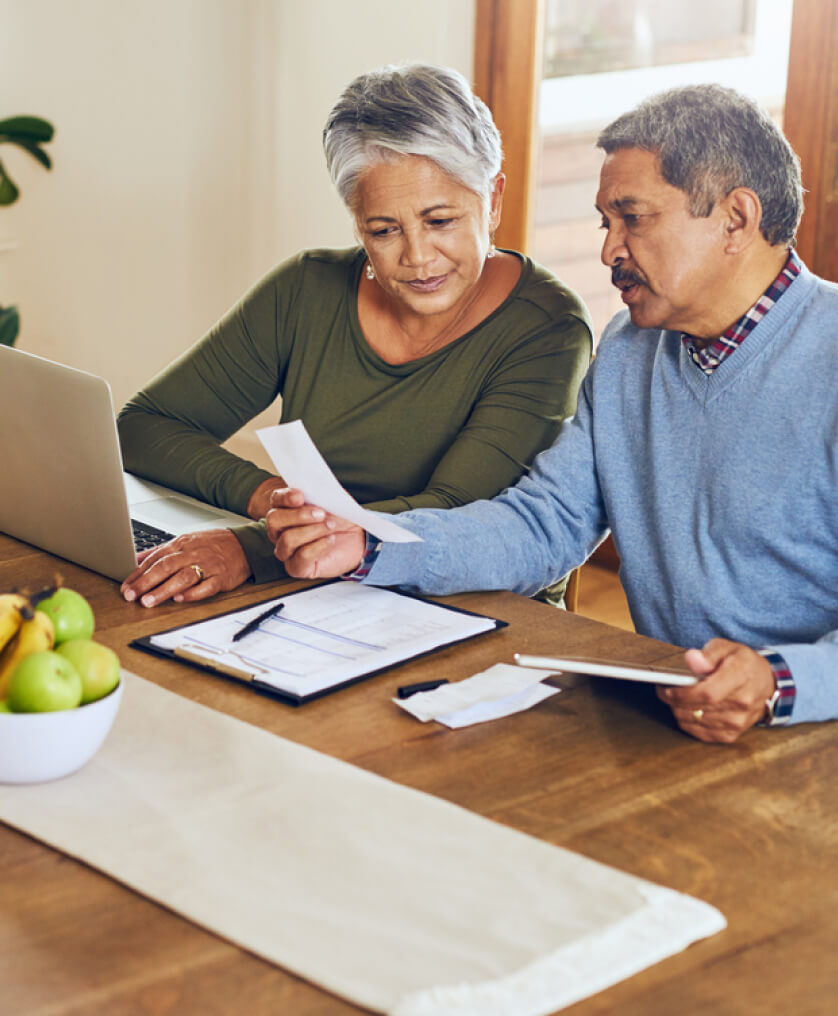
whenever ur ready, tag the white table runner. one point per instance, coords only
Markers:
(391, 898)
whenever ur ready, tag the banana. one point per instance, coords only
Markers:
(35, 634)
(11, 617)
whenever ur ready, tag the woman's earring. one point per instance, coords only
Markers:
(369, 272)
(490, 253)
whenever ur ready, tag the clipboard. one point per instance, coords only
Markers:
(326, 637)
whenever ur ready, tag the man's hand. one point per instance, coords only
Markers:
(730, 698)
(188, 568)
(311, 543)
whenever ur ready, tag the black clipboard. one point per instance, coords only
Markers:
(248, 677)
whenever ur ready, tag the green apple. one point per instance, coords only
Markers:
(44, 682)
(71, 615)
(97, 665)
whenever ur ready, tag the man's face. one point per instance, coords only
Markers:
(667, 264)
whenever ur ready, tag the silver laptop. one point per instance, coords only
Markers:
(62, 487)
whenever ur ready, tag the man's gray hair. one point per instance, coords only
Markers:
(415, 109)
(711, 139)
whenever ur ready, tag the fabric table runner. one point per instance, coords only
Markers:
(391, 898)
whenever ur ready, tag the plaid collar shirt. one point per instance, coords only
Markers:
(708, 358)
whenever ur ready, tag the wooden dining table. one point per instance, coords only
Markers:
(600, 769)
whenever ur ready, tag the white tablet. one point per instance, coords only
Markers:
(603, 669)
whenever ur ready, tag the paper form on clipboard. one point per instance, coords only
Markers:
(325, 637)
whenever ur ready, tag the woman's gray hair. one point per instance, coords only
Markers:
(416, 109)
(711, 139)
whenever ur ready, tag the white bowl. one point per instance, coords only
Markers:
(35, 747)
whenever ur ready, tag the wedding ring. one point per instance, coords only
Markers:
(199, 571)
(697, 714)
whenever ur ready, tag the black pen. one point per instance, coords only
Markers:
(407, 690)
(254, 624)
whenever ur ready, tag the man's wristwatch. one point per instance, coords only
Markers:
(779, 705)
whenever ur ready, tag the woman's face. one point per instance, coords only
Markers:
(426, 235)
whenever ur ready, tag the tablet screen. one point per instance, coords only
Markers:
(601, 668)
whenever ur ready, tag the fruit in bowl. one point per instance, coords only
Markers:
(59, 689)
(70, 613)
(96, 665)
(23, 631)
(44, 682)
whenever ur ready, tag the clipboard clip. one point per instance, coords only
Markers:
(206, 659)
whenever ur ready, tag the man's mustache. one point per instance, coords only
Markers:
(626, 275)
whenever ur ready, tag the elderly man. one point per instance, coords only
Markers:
(705, 438)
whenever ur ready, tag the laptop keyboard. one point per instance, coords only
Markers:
(146, 537)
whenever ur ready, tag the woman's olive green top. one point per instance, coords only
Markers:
(459, 424)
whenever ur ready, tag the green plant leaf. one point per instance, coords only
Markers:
(36, 151)
(27, 128)
(9, 325)
(8, 191)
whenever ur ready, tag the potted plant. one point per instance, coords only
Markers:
(28, 133)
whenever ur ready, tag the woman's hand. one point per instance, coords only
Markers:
(189, 568)
(259, 502)
(309, 542)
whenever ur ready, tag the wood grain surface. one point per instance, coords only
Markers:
(600, 769)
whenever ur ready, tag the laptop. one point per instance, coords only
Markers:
(62, 486)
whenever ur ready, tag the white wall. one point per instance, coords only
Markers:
(187, 157)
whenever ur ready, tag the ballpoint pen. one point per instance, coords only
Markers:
(407, 690)
(253, 624)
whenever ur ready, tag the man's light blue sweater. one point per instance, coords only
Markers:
(721, 492)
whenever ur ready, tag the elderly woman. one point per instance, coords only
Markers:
(428, 366)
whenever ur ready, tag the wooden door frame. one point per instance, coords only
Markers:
(507, 77)
(811, 125)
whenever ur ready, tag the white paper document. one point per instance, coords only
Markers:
(499, 691)
(300, 464)
(323, 637)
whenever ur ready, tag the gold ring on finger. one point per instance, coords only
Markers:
(697, 714)
(199, 571)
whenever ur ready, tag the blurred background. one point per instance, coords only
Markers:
(186, 161)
